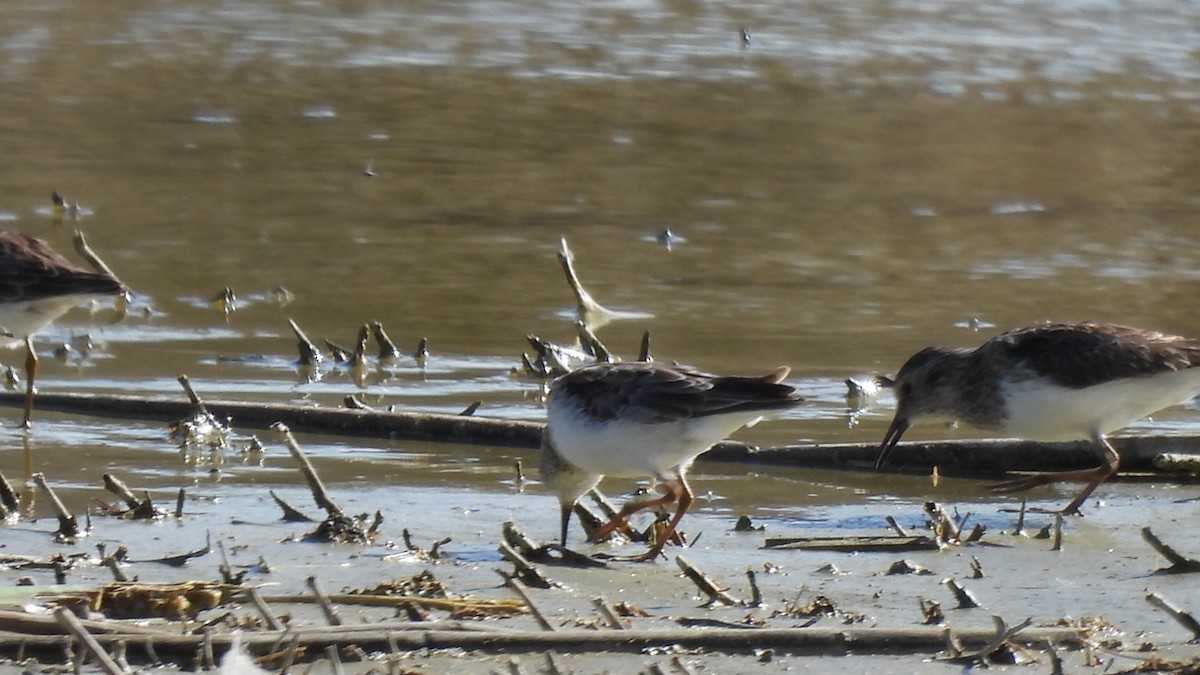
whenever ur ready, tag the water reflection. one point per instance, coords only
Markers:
(855, 183)
(949, 47)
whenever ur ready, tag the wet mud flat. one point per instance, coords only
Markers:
(424, 588)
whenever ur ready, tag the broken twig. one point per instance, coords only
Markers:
(964, 598)
(70, 622)
(327, 608)
(1181, 616)
(606, 613)
(309, 354)
(853, 543)
(320, 494)
(705, 583)
(515, 584)
(82, 248)
(68, 526)
(1180, 564)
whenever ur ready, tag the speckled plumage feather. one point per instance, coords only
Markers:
(650, 394)
(1079, 355)
(37, 285)
(1049, 382)
(645, 420)
(31, 270)
(970, 384)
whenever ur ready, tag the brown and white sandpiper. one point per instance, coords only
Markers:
(1049, 382)
(645, 420)
(37, 286)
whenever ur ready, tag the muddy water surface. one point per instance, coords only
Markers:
(850, 184)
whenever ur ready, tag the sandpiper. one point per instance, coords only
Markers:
(645, 420)
(1049, 382)
(37, 286)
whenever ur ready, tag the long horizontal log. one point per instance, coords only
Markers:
(812, 640)
(12, 621)
(968, 458)
(468, 429)
(507, 605)
(852, 543)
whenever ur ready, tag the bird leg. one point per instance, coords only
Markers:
(1094, 477)
(630, 508)
(31, 362)
(677, 490)
(685, 500)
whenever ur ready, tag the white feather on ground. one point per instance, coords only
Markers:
(237, 661)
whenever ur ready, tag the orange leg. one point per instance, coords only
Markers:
(1096, 476)
(618, 521)
(677, 491)
(685, 499)
(31, 362)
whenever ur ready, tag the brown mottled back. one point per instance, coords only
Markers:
(31, 270)
(654, 394)
(1077, 355)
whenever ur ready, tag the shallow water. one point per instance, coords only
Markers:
(852, 184)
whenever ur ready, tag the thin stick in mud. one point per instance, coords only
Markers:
(70, 622)
(515, 584)
(1180, 564)
(309, 355)
(320, 494)
(68, 526)
(327, 608)
(705, 583)
(1182, 617)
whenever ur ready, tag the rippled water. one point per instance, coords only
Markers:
(949, 47)
(848, 183)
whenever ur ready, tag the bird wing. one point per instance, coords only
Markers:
(1079, 355)
(31, 270)
(652, 394)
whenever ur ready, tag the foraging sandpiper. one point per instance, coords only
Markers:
(37, 286)
(645, 420)
(1049, 382)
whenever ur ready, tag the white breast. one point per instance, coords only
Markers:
(631, 449)
(20, 319)
(1041, 411)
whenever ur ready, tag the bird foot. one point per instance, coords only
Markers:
(1032, 479)
(618, 526)
(1024, 481)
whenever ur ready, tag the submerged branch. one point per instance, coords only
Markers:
(370, 423)
(483, 607)
(962, 458)
(811, 640)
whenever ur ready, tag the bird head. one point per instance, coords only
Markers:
(925, 389)
(567, 481)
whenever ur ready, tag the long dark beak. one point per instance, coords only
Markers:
(567, 508)
(894, 432)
